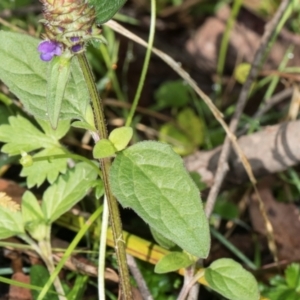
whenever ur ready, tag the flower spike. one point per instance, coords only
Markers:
(69, 25)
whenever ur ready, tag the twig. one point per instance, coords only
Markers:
(193, 290)
(11, 26)
(184, 292)
(269, 103)
(278, 150)
(140, 281)
(222, 165)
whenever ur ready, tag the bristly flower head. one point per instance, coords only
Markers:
(69, 24)
(7, 202)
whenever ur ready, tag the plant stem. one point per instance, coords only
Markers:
(105, 166)
(185, 291)
(225, 42)
(43, 249)
(102, 250)
(46, 254)
(145, 65)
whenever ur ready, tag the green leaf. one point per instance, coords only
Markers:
(33, 217)
(10, 222)
(59, 72)
(241, 72)
(68, 190)
(83, 125)
(21, 136)
(58, 133)
(39, 276)
(150, 178)
(103, 148)
(26, 160)
(173, 262)
(282, 293)
(78, 288)
(26, 76)
(231, 280)
(171, 134)
(187, 135)
(197, 179)
(292, 276)
(226, 210)
(120, 137)
(106, 9)
(31, 210)
(172, 94)
(192, 126)
(161, 240)
(49, 169)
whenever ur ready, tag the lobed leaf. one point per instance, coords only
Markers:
(48, 169)
(150, 178)
(20, 135)
(68, 190)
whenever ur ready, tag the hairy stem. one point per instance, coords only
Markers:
(105, 166)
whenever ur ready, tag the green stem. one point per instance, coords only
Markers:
(68, 252)
(225, 41)
(105, 166)
(45, 252)
(111, 72)
(145, 65)
(102, 250)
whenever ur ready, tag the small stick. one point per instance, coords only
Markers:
(222, 165)
(140, 281)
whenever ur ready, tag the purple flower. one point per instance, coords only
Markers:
(74, 39)
(48, 49)
(76, 48)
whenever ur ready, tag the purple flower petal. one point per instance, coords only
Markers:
(76, 48)
(46, 56)
(47, 46)
(74, 39)
(48, 49)
(57, 51)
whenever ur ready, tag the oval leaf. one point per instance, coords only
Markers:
(161, 240)
(173, 262)
(106, 9)
(120, 137)
(104, 148)
(231, 280)
(150, 178)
